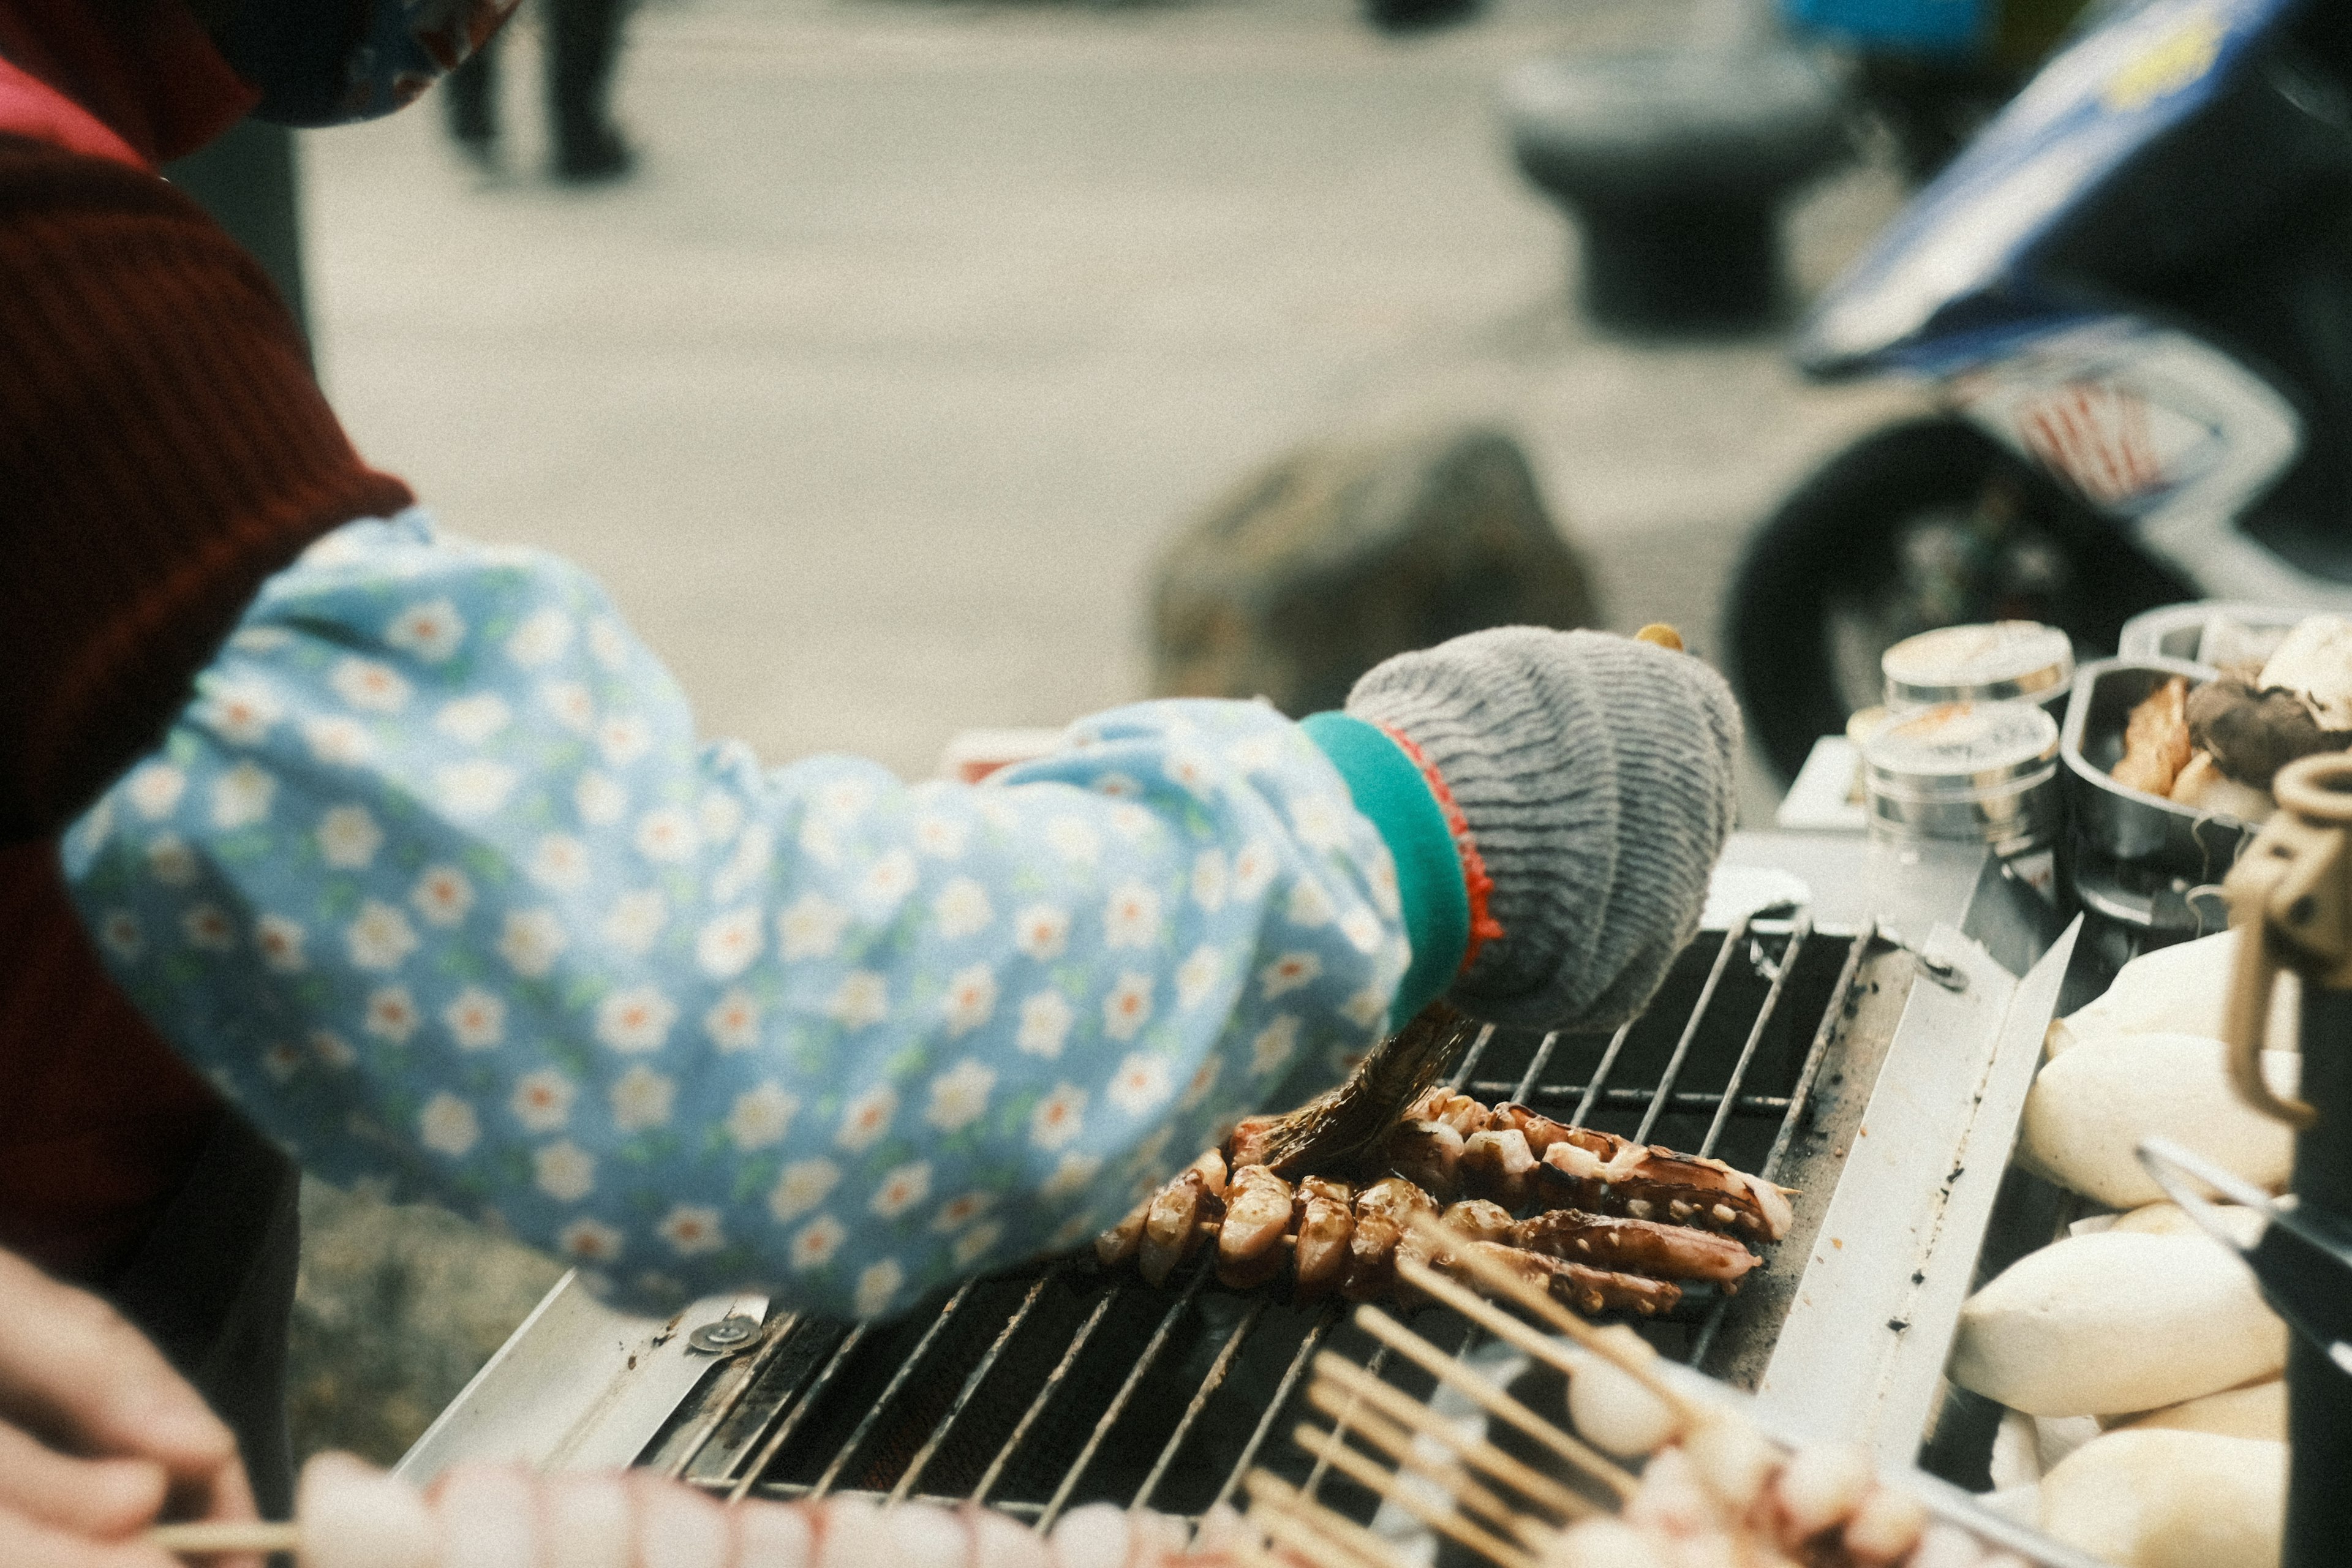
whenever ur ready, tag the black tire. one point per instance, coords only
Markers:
(1834, 577)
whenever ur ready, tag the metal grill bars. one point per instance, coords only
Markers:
(768, 1405)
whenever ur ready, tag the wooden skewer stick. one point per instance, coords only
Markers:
(1290, 1534)
(1502, 1326)
(1445, 1369)
(1494, 1277)
(220, 1538)
(1276, 1499)
(1469, 1494)
(1328, 1447)
(1400, 1406)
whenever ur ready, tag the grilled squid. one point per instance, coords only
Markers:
(1644, 1247)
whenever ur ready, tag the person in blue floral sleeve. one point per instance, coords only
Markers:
(436, 881)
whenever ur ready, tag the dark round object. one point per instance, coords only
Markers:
(1923, 525)
(1418, 16)
(1676, 165)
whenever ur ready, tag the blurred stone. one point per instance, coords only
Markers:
(1339, 555)
(396, 1308)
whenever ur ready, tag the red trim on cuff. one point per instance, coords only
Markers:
(1483, 927)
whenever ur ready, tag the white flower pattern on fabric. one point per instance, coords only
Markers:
(959, 1095)
(434, 878)
(760, 1117)
(802, 1186)
(475, 718)
(542, 1100)
(242, 796)
(1046, 1020)
(634, 1021)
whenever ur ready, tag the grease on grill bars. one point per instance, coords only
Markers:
(1063, 1383)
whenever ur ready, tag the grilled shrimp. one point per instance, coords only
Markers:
(1327, 1223)
(1258, 1214)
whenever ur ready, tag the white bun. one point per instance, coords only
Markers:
(2116, 1322)
(2174, 989)
(2089, 1109)
(2257, 1412)
(2171, 1500)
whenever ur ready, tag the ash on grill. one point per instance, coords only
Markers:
(1066, 1383)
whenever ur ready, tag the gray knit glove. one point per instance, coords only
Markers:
(1595, 775)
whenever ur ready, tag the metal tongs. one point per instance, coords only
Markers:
(2302, 1259)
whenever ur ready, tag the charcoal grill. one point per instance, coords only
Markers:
(1059, 1383)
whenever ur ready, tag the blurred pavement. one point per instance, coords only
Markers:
(871, 396)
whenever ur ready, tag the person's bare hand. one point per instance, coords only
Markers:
(100, 1438)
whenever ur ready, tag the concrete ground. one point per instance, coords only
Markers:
(873, 396)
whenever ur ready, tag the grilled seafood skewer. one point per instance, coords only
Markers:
(1450, 1143)
(1336, 1238)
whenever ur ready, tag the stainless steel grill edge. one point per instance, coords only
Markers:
(1058, 1384)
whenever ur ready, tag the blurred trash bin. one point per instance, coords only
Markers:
(1339, 554)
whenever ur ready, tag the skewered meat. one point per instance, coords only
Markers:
(1587, 1290)
(1384, 1211)
(1604, 1173)
(1503, 1148)
(1426, 1153)
(351, 1515)
(355, 1516)
(1173, 1225)
(1635, 1217)
(1479, 1219)
(1644, 1247)
(1258, 1212)
(1327, 1223)
(1498, 1164)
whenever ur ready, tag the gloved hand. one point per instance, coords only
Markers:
(1595, 774)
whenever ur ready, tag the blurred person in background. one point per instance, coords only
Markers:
(582, 43)
(407, 847)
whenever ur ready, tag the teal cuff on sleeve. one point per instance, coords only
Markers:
(1388, 788)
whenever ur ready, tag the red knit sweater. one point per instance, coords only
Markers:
(162, 450)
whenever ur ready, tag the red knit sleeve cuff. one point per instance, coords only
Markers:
(164, 450)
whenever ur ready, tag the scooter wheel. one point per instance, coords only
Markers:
(1923, 524)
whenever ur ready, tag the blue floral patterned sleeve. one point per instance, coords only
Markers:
(436, 881)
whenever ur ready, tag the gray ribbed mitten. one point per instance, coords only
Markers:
(1595, 774)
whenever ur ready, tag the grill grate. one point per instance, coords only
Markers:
(1062, 1385)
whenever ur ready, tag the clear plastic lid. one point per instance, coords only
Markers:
(2004, 662)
